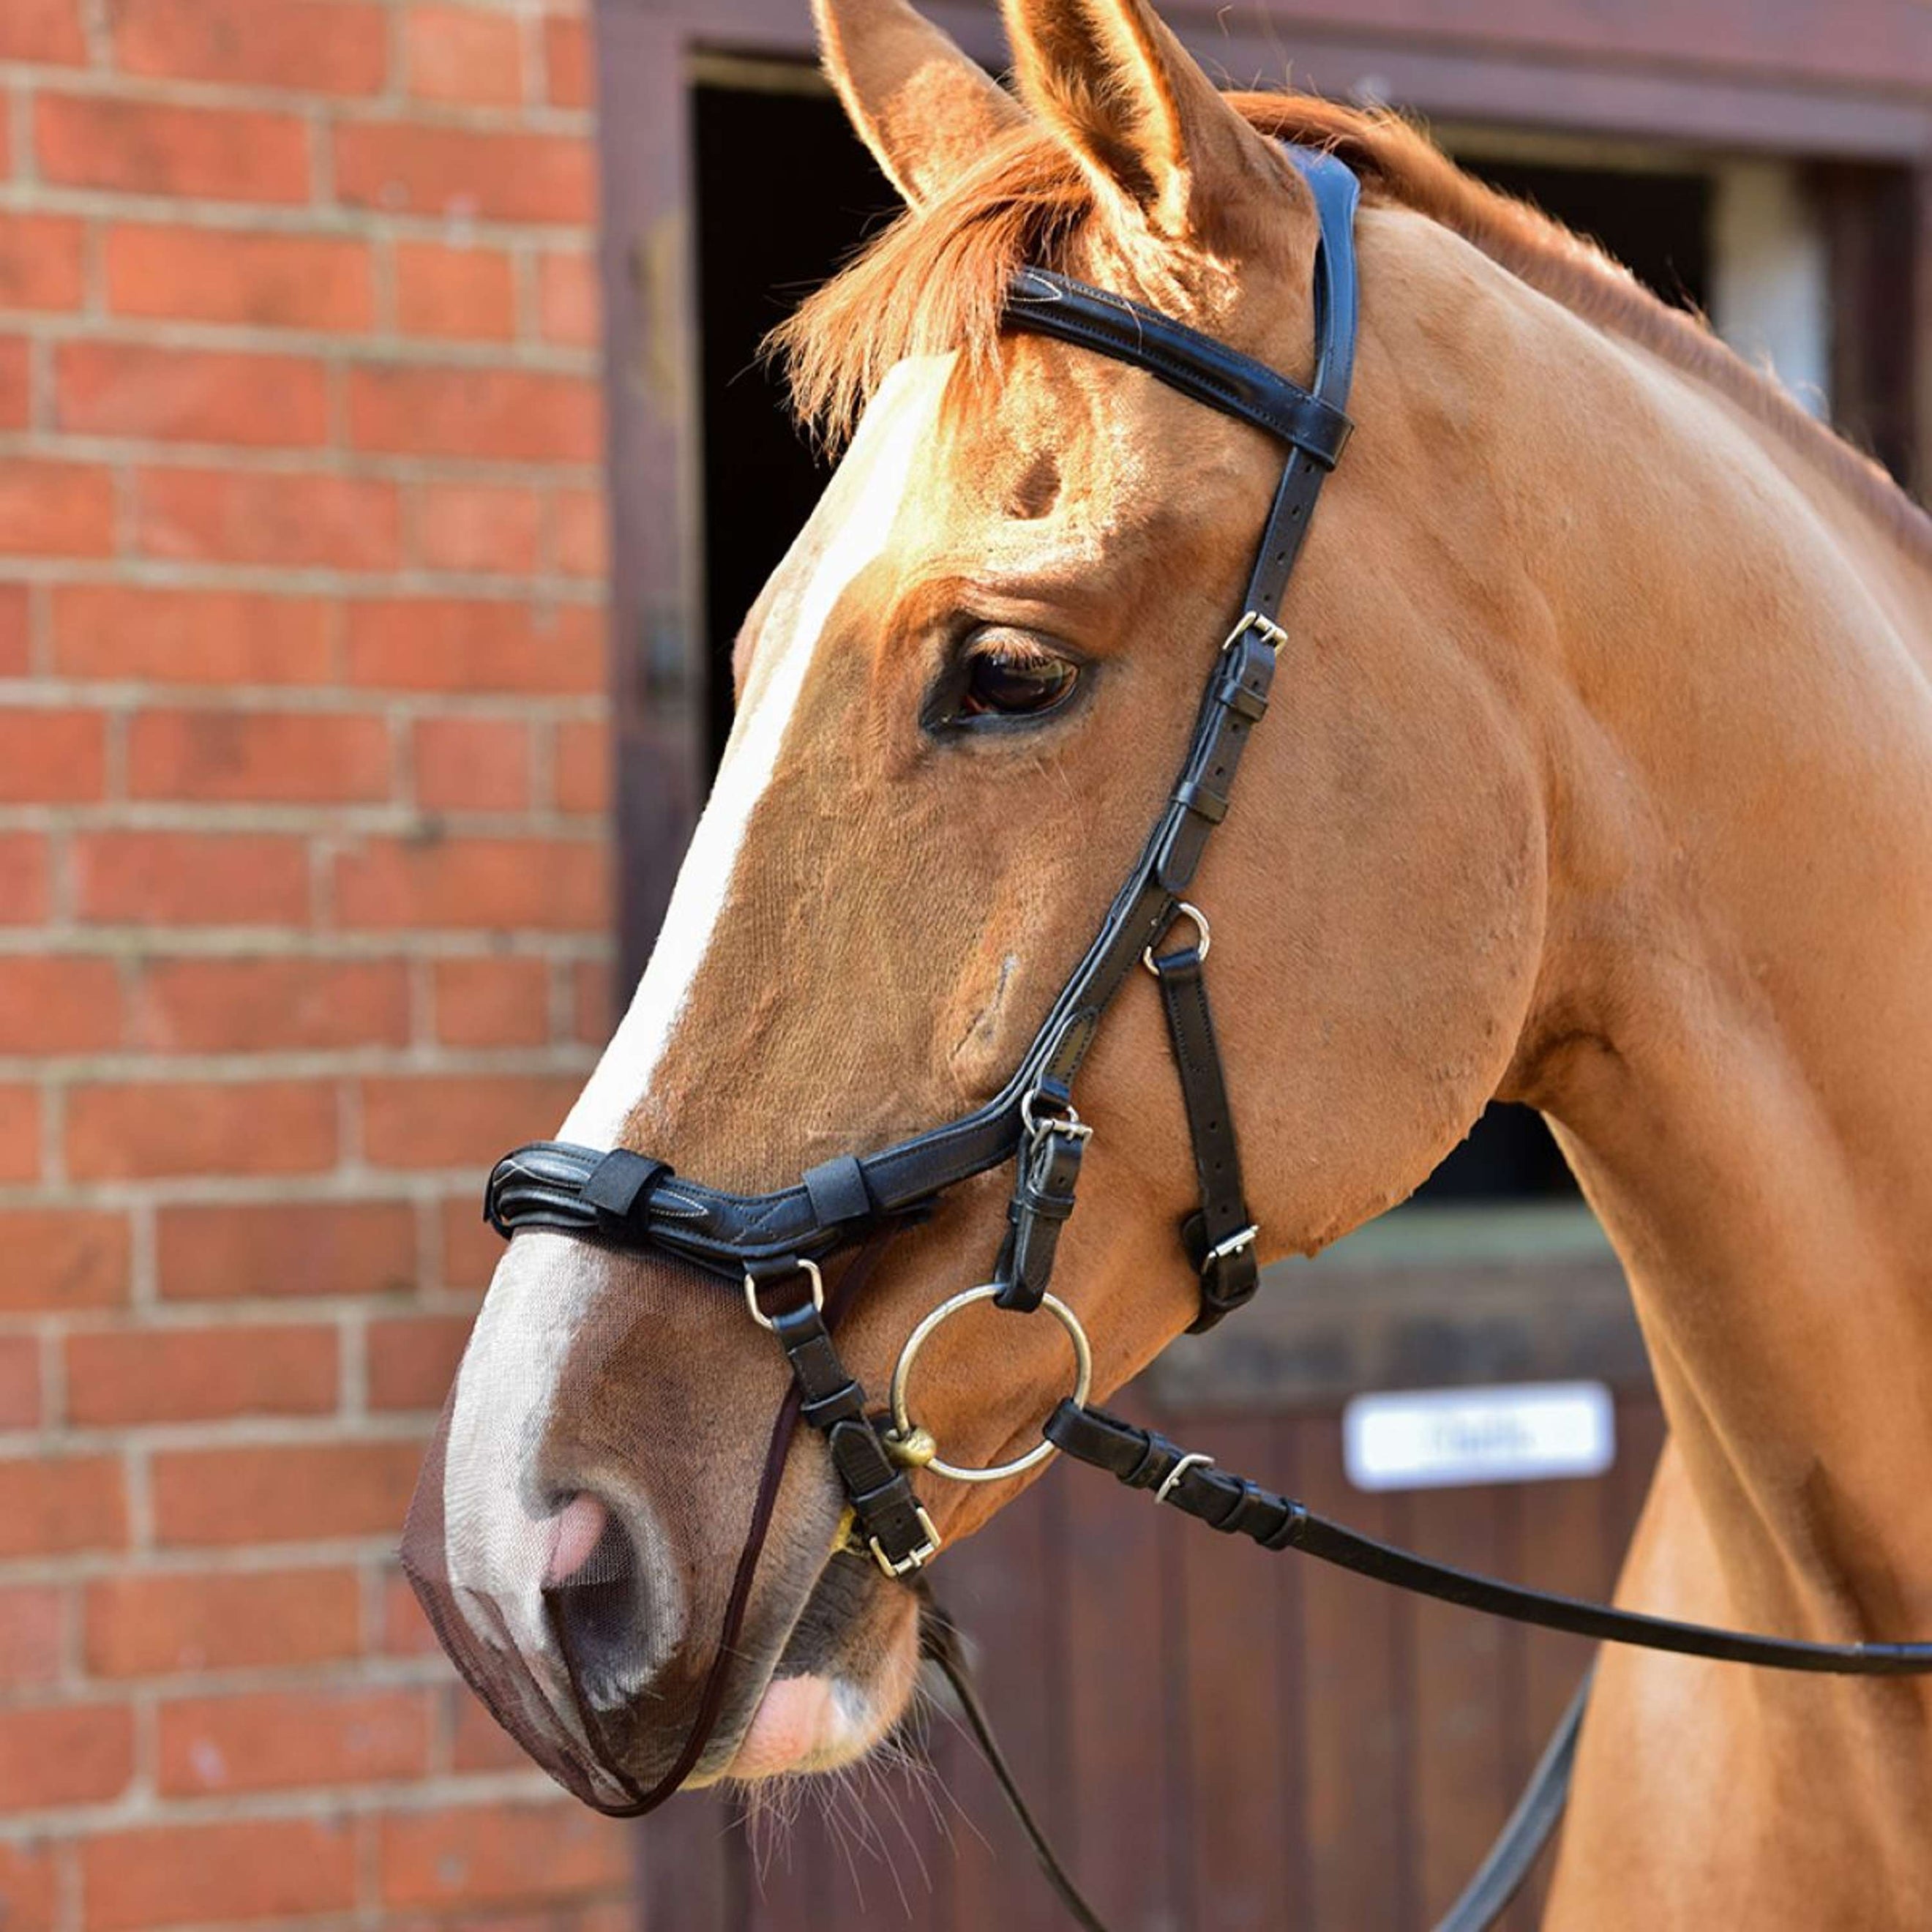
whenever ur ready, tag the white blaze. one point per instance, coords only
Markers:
(876, 471)
(545, 1283)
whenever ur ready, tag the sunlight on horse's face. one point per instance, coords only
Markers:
(886, 889)
(904, 856)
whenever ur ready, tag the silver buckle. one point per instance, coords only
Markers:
(922, 1555)
(1272, 634)
(1193, 1460)
(1068, 1124)
(1233, 1245)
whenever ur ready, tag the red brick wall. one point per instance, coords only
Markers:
(304, 907)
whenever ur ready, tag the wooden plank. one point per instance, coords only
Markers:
(692, 1866)
(1352, 1688)
(1006, 1587)
(1558, 1544)
(1123, 1656)
(1463, 1661)
(1238, 1684)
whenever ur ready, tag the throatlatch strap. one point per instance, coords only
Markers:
(1220, 1238)
(1143, 1459)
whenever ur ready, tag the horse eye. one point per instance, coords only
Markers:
(1013, 677)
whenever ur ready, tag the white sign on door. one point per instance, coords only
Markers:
(1523, 1432)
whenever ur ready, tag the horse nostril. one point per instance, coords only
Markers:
(578, 1528)
(595, 1588)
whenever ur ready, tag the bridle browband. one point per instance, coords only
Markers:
(774, 1244)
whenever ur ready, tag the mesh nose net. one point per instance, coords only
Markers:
(614, 1676)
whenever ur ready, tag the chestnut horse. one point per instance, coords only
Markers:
(1600, 779)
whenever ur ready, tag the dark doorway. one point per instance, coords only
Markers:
(767, 236)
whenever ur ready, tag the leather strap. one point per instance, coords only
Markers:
(889, 1520)
(1045, 1175)
(1220, 1238)
(1143, 1459)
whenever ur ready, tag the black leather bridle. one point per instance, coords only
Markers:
(773, 1244)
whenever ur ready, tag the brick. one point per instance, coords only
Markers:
(580, 532)
(157, 1625)
(504, 414)
(189, 637)
(492, 1002)
(23, 878)
(405, 1631)
(474, 645)
(320, 46)
(463, 54)
(60, 1259)
(27, 1894)
(275, 1740)
(125, 1376)
(471, 1247)
(55, 509)
(190, 395)
(489, 528)
(57, 1004)
(42, 263)
(266, 1005)
(258, 757)
(129, 1130)
(19, 1133)
(181, 1873)
(223, 1497)
(33, 1618)
(404, 168)
(494, 885)
(50, 757)
(283, 520)
(16, 631)
(19, 1391)
(16, 383)
(593, 1001)
(56, 1505)
(250, 277)
(190, 878)
(477, 1742)
(567, 61)
(569, 308)
(139, 147)
(64, 1754)
(412, 1360)
(499, 1854)
(582, 766)
(285, 1250)
(45, 31)
(468, 293)
(472, 764)
(413, 1120)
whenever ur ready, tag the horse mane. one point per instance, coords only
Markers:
(936, 280)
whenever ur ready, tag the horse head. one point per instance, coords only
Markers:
(962, 700)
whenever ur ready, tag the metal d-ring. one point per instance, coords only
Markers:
(1183, 911)
(758, 1314)
(902, 1422)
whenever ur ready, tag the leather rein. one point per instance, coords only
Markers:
(772, 1246)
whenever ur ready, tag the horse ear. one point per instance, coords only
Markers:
(1144, 120)
(925, 110)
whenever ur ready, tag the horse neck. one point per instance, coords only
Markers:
(1731, 1032)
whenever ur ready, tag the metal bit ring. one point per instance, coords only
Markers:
(902, 1422)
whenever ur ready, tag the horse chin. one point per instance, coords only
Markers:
(842, 1684)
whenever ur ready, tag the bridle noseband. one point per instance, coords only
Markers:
(773, 1245)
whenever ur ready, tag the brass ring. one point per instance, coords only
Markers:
(809, 1269)
(1083, 1357)
(1183, 910)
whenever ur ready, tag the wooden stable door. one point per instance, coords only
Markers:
(1218, 1738)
